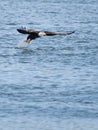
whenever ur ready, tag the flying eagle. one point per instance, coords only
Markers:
(32, 34)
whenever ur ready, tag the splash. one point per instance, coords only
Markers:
(22, 44)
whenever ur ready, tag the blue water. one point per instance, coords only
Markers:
(52, 84)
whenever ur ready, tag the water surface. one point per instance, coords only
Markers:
(51, 84)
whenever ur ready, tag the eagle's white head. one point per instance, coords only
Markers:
(42, 34)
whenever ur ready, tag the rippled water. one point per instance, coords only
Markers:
(52, 83)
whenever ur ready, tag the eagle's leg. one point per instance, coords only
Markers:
(27, 41)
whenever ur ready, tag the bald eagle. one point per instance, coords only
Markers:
(32, 34)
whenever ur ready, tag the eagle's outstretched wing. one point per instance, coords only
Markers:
(61, 34)
(25, 31)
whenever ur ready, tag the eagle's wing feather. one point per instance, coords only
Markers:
(69, 33)
(24, 31)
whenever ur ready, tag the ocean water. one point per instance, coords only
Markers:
(51, 84)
